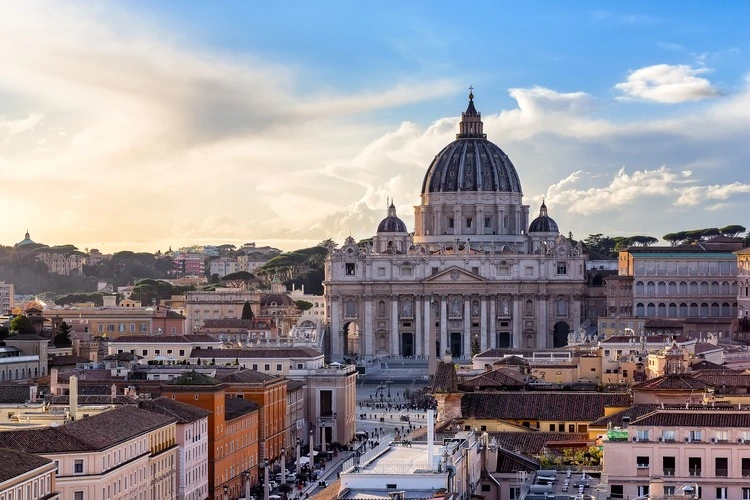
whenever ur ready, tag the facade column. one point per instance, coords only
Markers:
(395, 351)
(336, 326)
(516, 322)
(369, 335)
(429, 335)
(483, 325)
(542, 334)
(438, 221)
(443, 325)
(480, 221)
(493, 321)
(457, 225)
(500, 221)
(466, 354)
(575, 312)
(417, 327)
(423, 219)
(517, 229)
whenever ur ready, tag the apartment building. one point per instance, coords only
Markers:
(114, 322)
(232, 432)
(6, 297)
(703, 453)
(192, 438)
(26, 476)
(162, 348)
(219, 304)
(123, 452)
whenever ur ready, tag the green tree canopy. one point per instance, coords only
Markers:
(303, 305)
(22, 325)
(62, 337)
(238, 279)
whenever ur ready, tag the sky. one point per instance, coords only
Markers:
(142, 125)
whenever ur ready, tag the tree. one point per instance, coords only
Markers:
(247, 311)
(733, 230)
(22, 325)
(62, 337)
(303, 305)
(240, 279)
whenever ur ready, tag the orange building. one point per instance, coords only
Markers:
(232, 432)
(269, 392)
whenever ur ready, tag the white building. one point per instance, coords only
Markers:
(192, 438)
(223, 266)
(475, 274)
(6, 297)
(162, 348)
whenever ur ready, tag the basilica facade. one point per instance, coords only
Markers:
(476, 273)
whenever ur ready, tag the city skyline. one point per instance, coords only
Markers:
(142, 125)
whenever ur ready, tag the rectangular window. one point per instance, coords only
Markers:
(111, 327)
(475, 270)
(722, 466)
(562, 268)
(78, 495)
(435, 270)
(528, 271)
(696, 436)
(469, 222)
(78, 466)
(132, 327)
(616, 491)
(642, 435)
(487, 222)
(721, 493)
(278, 367)
(694, 466)
(100, 327)
(326, 403)
(182, 352)
(642, 490)
(515, 493)
(669, 490)
(350, 268)
(450, 222)
(642, 462)
(299, 366)
(267, 367)
(745, 493)
(255, 366)
(668, 436)
(668, 466)
(381, 271)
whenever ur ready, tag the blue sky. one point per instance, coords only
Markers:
(297, 120)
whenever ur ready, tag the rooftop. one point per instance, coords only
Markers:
(97, 432)
(164, 339)
(248, 377)
(236, 407)
(705, 418)
(183, 413)
(256, 352)
(553, 406)
(16, 463)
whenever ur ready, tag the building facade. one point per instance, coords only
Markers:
(26, 476)
(6, 297)
(476, 273)
(219, 304)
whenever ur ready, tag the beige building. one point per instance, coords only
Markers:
(159, 348)
(125, 452)
(118, 321)
(219, 304)
(26, 476)
(477, 273)
(701, 453)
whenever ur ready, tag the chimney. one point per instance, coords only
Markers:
(73, 397)
(430, 438)
(625, 421)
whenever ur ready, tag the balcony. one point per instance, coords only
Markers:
(745, 472)
(695, 473)
(722, 472)
(642, 471)
(668, 472)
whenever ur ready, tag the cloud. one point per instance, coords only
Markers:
(669, 84)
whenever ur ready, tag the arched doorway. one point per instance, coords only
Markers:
(407, 344)
(560, 334)
(351, 339)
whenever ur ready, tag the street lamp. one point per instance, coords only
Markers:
(226, 489)
(246, 477)
(322, 426)
(283, 465)
(299, 456)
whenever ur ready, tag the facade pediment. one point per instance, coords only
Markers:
(454, 274)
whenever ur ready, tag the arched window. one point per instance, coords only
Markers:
(661, 310)
(715, 288)
(715, 313)
(694, 310)
(529, 308)
(650, 288)
(661, 288)
(650, 310)
(639, 311)
(726, 310)
(639, 288)
(704, 310)
(672, 288)
(694, 288)
(704, 288)
(672, 310)
(381, 308)
(734, 309)
(683, 288)
(562, 307)
(725, 289)
(683, 312)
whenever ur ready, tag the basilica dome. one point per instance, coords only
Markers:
(544, 223)
(392, 224)
(471, 162)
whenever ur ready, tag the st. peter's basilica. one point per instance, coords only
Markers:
(474, 274)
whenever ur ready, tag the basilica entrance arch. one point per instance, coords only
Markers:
(351, 339)
(456, 344)
(560, 334)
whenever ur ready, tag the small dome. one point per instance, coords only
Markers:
(544, 223)
(276, 300)
(392, 224)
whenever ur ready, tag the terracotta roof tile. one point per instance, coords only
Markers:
(445, 378)
(183, 413)
(256, 352)
(16, 463)
(532, 443)
(554, 406)
(718, 417)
